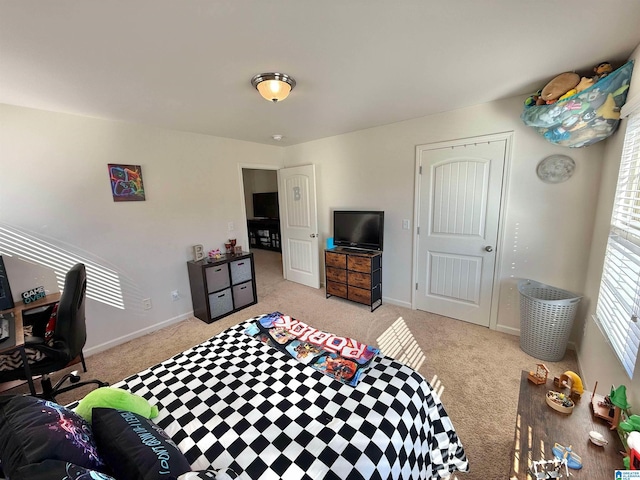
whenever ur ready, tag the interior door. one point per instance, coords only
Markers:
(460, 190)
(299, 224)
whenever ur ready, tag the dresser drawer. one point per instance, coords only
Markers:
(336, 274)
(360, 295)
(362, 280)
(337, 289)
(337, 260)
(359, 264)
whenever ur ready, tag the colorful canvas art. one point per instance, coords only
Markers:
(126, 183)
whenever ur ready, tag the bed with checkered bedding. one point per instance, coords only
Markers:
(235, 402)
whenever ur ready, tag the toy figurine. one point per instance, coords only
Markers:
(539, 377)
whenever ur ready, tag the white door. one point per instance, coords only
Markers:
(459, 192)
(299, 224)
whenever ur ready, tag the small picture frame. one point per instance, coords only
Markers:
(237, 250)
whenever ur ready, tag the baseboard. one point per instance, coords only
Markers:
(139, 333)
(398, 303)
(516, 332)
(509, 330)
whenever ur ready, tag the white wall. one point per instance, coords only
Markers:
(55, 188)
(598, 362)
(547, 228)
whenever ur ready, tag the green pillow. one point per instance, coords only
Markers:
(112, 397)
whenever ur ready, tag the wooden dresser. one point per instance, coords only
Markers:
(355, 275)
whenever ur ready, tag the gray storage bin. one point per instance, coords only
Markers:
(217, 277)
(243, 294)
(220, 303)
(240, 271)
(546, 319)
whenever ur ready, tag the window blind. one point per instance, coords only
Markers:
(618, 305)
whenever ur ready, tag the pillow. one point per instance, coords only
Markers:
(226, 474)
(57, 470)
(135, 448)
(340, 358)
(33, 430)
(111, 397)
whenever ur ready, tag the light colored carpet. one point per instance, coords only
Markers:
(477, 370)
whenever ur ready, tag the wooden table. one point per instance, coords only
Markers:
(539, 427)
(16, 339)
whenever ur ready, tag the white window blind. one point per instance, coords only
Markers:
(618, 305)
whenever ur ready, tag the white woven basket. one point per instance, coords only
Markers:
(546, 319)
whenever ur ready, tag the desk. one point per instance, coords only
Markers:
(538, 427)
(16, 339)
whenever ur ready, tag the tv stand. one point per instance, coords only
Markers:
(354, 275)
(264, 233)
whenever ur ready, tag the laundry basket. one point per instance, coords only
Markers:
(546, 318)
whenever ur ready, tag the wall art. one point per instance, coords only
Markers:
(126, 183)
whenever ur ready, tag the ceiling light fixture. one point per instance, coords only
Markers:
(274, 87)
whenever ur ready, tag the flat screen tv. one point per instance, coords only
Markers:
(265, 205)
(358, 229)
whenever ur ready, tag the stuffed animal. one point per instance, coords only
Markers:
(112, 397)
(585, 82)
(602, 70)
(558, 86)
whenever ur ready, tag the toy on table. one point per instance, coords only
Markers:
(574, 460)
(560, 402)
(572, 381)
(545, 469)
(215, 253)
(610, 407)
(539, 377)
(631, 460)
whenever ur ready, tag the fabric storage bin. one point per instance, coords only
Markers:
(220, 303)
(217, 277)
(546, 319)
(243, 294)
(240, 271)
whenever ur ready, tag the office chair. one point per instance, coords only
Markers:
(65, 347)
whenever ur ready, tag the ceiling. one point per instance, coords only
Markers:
(187, 65)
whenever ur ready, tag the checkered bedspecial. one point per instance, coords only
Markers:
(235, 402)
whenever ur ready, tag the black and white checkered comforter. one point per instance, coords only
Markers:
(234, 402)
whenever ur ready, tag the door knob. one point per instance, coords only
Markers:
(489, 248)
(313, 235)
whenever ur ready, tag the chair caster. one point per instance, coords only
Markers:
(74, 377)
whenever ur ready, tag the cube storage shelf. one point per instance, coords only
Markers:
(223, 286)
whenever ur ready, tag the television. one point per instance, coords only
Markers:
(358, 229)
(265, 205)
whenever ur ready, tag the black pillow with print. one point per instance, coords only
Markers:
(57, 470)
(134, 447)
(33, 430)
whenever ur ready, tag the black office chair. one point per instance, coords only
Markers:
(65, 347)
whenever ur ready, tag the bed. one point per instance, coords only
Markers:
(236, 404)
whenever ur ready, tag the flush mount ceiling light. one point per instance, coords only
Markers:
(274, 87)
